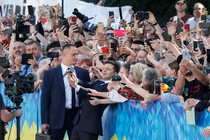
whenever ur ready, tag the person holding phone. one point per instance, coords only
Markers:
(59, 101)
(110, 19)
(3, 51)
(16, 50)
(34, 48)
(191, 82)
(88, 123)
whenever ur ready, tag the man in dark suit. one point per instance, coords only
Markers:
(59, 103)
(88, 123)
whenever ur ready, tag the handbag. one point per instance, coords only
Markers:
(43, 136)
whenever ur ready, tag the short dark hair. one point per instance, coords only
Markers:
(109, 28)
(34, 42)
(66, 46)
(127, 66)
(115, 64)
(54, 44)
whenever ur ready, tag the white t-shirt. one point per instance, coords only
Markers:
(193, 22)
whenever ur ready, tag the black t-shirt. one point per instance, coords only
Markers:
(195, 89)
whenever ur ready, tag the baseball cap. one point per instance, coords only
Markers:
(182, 1)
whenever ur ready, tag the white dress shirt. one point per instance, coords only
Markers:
(68, 88)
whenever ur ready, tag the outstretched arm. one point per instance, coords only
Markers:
(95, 101)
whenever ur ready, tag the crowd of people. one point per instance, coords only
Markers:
(82, 69)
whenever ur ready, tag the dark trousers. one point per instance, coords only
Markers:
(82, 135)
(58, 134)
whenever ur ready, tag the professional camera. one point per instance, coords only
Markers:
(20, 27)
(89, 27)
(32, 19)
(4, 62)
(17, 84)
(116, 78)
(82, 17)
(141, 15)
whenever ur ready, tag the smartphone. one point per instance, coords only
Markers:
(30, 10)
(186, 55)
(179, 27)
(3, 59)
(73, 19)
(142, 15)
(25, 58)
(5, 42)
(120, 39)
(78, 44)
(101, 57)
(166, 36)
(111, 13)
(185, 42)
(175, 19)
(5, 74)
(148, 41)
(119, 33)
(203, 17)
(53, 55)
(116, 78)
(157, 87)
(100, 27)
(208, 55)
(105, 50)
(114, 47)
(201, 47)
(187, 27)
(71, 70)
(195, 46)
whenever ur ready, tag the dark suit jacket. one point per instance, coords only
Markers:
(88, 118)
(53, 96)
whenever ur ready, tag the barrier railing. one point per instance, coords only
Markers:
(126, 121)
(159, 121)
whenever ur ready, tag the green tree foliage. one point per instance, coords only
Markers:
(162, 9)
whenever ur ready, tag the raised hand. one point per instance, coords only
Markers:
(171, 27)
